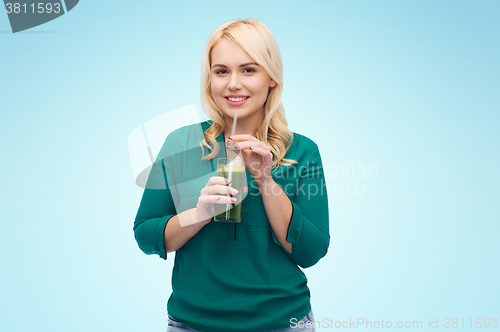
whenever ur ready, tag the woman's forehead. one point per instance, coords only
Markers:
(229, 53)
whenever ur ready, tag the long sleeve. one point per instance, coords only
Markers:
(309, 225)
(156, 208)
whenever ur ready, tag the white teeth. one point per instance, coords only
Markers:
(236, 99)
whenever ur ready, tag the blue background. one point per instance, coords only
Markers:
(409, 88)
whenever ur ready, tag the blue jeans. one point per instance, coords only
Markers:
(306, 324)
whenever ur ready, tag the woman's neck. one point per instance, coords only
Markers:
(246, 126)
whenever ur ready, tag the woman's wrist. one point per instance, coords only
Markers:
(266, 186)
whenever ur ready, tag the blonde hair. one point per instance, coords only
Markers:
(257, 40)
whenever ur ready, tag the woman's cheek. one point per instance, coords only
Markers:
(216, 88)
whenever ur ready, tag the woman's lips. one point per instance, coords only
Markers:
(236, 103)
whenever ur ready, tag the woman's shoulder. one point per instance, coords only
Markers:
(303, 143)
(302, 149)
(182, 139)
(188, 131)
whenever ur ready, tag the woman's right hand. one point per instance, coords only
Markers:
(216, 191)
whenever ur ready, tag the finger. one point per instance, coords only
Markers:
(244, 145)
(218, 180)
(217, 199)
(243, 137)
(264, 153)
(232, 146)
(220, 189)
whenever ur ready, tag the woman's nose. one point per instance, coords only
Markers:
(234, 83)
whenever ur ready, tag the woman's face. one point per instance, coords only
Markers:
(239, 84)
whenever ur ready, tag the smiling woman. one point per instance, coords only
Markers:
(245, 276)
(241, 60)
(238, 84)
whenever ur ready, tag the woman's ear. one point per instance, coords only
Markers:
(272, 84)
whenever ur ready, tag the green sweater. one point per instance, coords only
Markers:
(235, 277)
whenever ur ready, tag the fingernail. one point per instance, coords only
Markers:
(235, 191)
(218, 197)
(233, 200)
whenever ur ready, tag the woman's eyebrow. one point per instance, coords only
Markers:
(248, 64)
(242, 65)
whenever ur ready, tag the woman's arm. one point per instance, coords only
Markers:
(176, 236)
(155, 211)
(158, 228)
(301, 226)
(278, 209)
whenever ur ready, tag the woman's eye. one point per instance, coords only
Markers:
(222, 71)
(249, 70)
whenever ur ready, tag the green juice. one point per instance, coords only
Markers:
(237, 182)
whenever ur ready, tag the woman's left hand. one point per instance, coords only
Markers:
(257, 156)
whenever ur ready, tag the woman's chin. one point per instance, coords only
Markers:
(231, 113)
(242, 113)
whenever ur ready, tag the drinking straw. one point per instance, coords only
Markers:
(231, 162)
